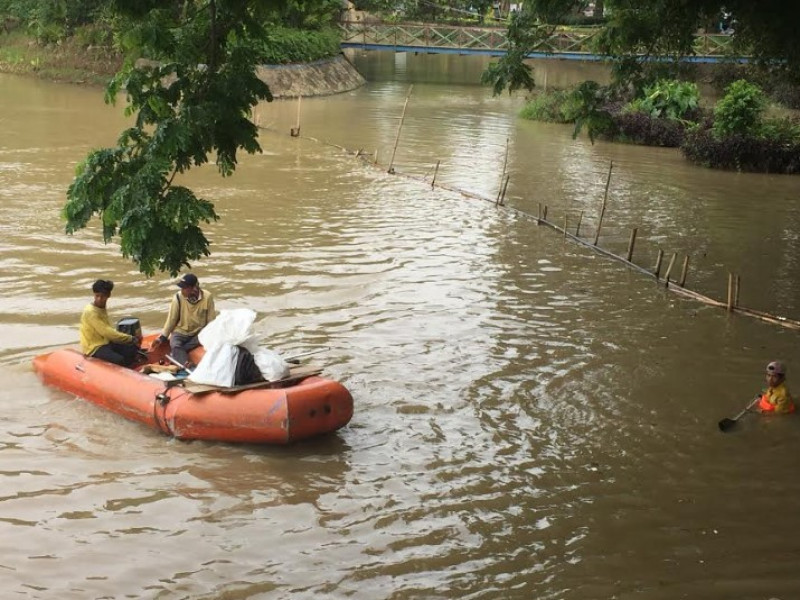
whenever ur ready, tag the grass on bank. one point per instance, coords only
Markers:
(80, 59)
(66, 61)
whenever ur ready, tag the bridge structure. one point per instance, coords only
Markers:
(428, 38)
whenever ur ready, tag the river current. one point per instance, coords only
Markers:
(532, 420)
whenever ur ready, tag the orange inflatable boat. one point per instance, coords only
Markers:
(301, 406)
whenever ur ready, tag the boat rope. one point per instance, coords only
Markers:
(162, 399)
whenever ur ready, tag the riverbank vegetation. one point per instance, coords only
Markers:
(86, 42)
(650, 101)
(737, 133)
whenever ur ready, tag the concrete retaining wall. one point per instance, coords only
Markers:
(321, 78)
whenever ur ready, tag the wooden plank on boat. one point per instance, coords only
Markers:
(295, 374)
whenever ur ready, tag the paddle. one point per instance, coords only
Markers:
(178, 364)
(727, 424)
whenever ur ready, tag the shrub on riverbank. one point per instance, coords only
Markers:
(739, 137)
(286, 46)
(770, 78)
(638, 127)
(742, 152)
(659, 118)
(547, 106)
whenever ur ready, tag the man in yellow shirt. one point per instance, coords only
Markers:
(98, 338)
(189, 311)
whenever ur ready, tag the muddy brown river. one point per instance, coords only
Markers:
(531, 419)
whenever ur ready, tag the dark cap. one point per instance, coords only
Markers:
(188, 280)
(776, 367)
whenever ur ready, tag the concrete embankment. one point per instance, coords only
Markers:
(320, 78)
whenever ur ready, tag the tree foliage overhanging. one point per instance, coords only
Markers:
(192, 104)
(637, 29)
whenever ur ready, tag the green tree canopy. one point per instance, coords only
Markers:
(637, 29)
(192, 103)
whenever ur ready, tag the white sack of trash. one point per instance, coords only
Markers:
(220, 338)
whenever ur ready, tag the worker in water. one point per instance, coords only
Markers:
(98, 338)
(189, 311)
(776, 398)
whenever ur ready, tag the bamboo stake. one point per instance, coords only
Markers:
(565, 227)
(730, 292)
(399, 127)
(544, 215)
(578, 226)
(736, 291)
(631, 242)
(669, 268)
(435, 172)
(503, 194)
(501, 189)
(539, 213)
(684, 271)
(295, 131)
(376, 157)
(603, 208)
(657, 270)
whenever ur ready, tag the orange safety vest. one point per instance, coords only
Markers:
(766, 406)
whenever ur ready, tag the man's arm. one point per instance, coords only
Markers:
(94, 321)
(172, 318)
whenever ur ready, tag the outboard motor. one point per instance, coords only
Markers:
(131, 326)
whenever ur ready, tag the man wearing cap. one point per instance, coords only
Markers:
(776, 398)
(98, 338)
(189, 311)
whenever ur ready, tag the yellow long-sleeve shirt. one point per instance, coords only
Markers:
(187, 318)
(96, 331)
(778, 398)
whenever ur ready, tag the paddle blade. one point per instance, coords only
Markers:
(726, 424)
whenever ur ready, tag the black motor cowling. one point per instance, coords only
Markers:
(131, 326)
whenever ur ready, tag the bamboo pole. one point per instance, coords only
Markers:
(603, 207)
(565, 227)
(399, 127)
(503, 193)
(631, 242)
(578, 226)
(669, 268)
(435, 172)
(376, 157)
(659, 258)
(684, 271)
(503, 182)
(681, 291)
(730, 292)
(295, 131)
(544, 215)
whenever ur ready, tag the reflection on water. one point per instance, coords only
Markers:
(531, 420)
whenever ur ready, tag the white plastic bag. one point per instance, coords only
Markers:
(234, 328)
(271, 364)
(218, 366)
(230, 327)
